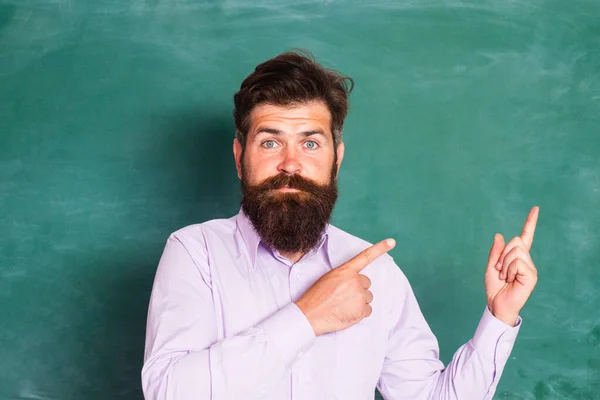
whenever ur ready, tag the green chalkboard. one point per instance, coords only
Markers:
(116, 129)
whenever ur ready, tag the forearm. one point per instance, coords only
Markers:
(412, 368)
(414, 371)
(477, 366)
(254, 359)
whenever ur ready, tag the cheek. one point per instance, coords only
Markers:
(319, 170)
(257, 170)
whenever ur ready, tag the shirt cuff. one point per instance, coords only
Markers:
(494, 338)
(289, 330)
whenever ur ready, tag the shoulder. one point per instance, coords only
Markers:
(187, 249)
(199, 236)
(343, 246)
(383, 271)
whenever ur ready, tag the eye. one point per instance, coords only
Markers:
(311, 144)
(269, 144)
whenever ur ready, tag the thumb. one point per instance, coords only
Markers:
(496, 251)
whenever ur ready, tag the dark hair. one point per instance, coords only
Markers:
(289, 79)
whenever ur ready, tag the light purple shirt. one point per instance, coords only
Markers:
(222, 324)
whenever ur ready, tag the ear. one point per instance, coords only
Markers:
(237, 154)
(340, 156)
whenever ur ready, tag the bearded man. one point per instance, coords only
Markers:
(276, 303)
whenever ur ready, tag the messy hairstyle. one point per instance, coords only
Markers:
(290, 79)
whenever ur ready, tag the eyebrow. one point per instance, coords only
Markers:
(273, 131)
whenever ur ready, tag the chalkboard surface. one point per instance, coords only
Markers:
(116, 129)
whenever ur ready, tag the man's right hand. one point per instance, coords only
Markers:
(341, 297)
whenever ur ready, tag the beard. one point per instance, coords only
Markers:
(291, 222)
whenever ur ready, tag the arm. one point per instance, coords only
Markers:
(184, 358)
(412, 369)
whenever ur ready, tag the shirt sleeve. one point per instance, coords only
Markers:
(412, 369)
(183, 357)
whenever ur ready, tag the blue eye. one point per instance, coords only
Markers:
(269, 144)
(311, 144)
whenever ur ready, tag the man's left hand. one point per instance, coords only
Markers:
(511, 275)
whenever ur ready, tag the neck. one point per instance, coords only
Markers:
(293, 257)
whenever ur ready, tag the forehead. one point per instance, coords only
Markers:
(313, 115)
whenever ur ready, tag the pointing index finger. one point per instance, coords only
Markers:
(362, 259)
(529, 227)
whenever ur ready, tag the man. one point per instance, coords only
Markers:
(275, 303)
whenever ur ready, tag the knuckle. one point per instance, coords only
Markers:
(509, 254)
(357, 282)
(521, 253)
(515, 262)
(519, 262)
(533, 269)
(523, 262)
(510, 247)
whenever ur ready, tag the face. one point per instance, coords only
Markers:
(289, 174)
(284, 140)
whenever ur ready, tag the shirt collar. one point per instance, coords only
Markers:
(252, 240)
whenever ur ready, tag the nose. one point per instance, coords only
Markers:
(289, 164)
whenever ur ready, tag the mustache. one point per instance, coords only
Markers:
(291, 181)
